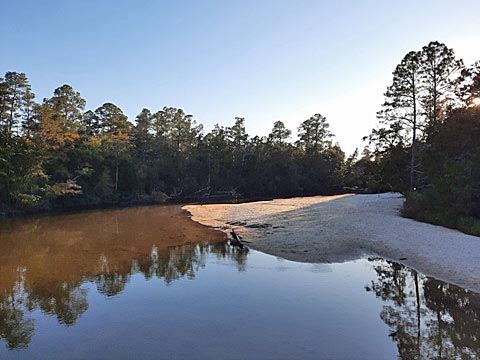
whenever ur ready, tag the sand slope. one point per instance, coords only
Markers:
(345, 227)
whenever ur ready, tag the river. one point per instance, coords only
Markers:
(149, 283)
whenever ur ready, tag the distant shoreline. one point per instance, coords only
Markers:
(14, 214)
(347, 227)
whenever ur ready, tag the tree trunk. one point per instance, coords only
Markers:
(412, 157)
(414, 137)
(417, 294)
(116, 176)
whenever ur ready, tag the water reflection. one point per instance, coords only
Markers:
(44, 261)
(428, 319)
(68, 301)
(15, 327)
(55, 271)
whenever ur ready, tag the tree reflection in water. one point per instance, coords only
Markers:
(68, 301)
(45, 260)
(15, 327)
(428, 319)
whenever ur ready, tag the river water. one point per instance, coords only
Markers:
(148, 283)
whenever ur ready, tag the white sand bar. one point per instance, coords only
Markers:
(346, 227)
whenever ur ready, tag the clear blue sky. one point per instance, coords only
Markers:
(264, 60)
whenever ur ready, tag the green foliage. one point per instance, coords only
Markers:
(21, 177)
(15, 101)
(314, 135)
(59, 190)
(280, 134)
(55, 155)
(424, 207)
(422, 91)
(451, 161)
(439, 67)
(468, 85)
(63, 157)
(429, 143)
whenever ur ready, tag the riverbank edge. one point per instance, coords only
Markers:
(466, 275)
(13, 214)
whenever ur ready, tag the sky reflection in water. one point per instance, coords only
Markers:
(119, 290)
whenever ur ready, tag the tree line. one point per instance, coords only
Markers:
(57, 155)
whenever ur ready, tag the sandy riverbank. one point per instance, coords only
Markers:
(346, 227)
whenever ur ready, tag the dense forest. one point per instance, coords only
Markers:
(56, 155)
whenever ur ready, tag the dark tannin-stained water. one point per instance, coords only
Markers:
(148, 283)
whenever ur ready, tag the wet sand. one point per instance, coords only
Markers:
(347, 227)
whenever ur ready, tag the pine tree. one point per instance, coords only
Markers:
(439, 69)
(15, 97)
(3, 102)
(468, 85)
(401, 110)
(115, 133)
(237, 133)
(28, 113)
(60, 118)
(314, 134)
(279, 134)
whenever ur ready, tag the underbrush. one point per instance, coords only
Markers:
(420, 207)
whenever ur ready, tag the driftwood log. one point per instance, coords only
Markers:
(236, 240)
